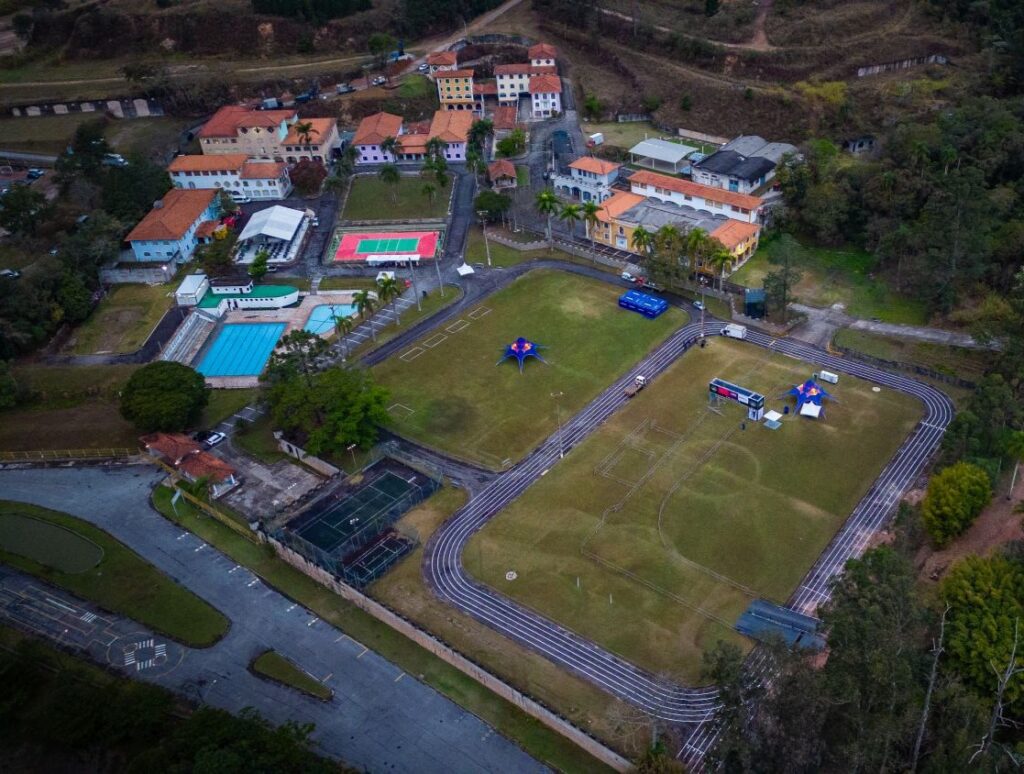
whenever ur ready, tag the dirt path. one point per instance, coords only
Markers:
(997, 525)
(759, 40)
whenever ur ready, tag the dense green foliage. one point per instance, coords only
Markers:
(956, 495)
(313, 11)
(165, 396)
(21, 209)
(128, 193)
(418, 17)
(77, 718)
(986, 598)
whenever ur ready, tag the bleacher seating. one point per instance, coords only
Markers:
(189, 338)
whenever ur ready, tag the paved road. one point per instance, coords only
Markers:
(379, 718)
(693, 706)
(822, 323)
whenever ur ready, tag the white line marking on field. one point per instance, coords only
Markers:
(433, 341)
(412, 354)
(457, 326)
(363, 653)
(400, 677)
(480, 311)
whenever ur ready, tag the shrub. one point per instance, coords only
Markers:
(955, 497)
(164, 396)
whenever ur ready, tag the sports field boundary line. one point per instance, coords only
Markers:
(455, 327)
(434, 340)
(411, 354)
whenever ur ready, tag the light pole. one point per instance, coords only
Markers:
(415, 290)
(558, 418)
(483, 227)
(351, 448)
(703, 285)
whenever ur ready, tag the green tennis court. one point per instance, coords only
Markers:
(404, 245)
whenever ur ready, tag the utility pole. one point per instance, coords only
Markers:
(483, 227)
(415, 290)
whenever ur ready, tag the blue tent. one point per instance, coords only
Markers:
(809, 394)
(521, 349)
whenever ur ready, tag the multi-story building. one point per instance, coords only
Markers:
(545, 96)
(714, 201)
(514, 80)
(268, 134)
(442, 60)
(372, 131)
(742, 165)
(455, 89)
(451, 127)
(588, 179)
(235, 173)
(175, 226)
(543, 55)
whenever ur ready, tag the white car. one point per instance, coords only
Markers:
(423, 67)
(628, 277)
(698, 305)
(380, 80)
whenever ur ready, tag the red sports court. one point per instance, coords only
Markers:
(387, 247)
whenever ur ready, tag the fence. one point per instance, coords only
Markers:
(632, 118)
(904, 64)
(320, 466)
(901, 366)
(431, 644)
(54, 455)
(701, 136)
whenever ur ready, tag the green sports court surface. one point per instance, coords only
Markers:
(406, 245)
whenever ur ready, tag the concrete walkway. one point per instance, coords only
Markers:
(822, 325)
(379, 718)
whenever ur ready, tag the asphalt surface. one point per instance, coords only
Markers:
(379, 718)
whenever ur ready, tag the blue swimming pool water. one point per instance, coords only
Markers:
(241, 349)
(321, 319)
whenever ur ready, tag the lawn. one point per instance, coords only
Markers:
(969, 364)
(123, 320)
(415, 86)
(629, 134)
(51, 134)
(433, 303)
(372, 199)
(703, 515)
(75, 408)
(225, 403)
(121, 582)
(538, 740)
(837, 275)
(448, 392)
(257, 440)
(273, 666)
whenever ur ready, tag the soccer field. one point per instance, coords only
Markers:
(653, 535)
(449, 391)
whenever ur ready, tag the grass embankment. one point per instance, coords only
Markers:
(969, 364)
(121, 581)
(836, 275)
(273, 666)
(123, 320)
(372, 199)
(702, 515)
(535, 738)
(51, 134)
(447, 392)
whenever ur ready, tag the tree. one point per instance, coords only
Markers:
(22, 24)
(592, 107)
(165, 396)
(338, 407)
(435, 149)
(570, 214)
(642, 241)
(588, 213)
(74, 298)
(9, 389)
(391, 177)
(94, 243)
(22, 209)
(307, 176)
(513, 144)
(479, 131)
(365, 303)
(259, 266)
(546, 204)
(778, 285)
(719, 258)
(227, 205)
(305, 131)
(955, 497)
(342, 328)
(380, 45)
(493, 204)
(217, 257)
(389, 145)
(388, 290)
(296, 356)
(128, 192)
(710, 7)
(430, 191)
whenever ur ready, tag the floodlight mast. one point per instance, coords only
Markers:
(703, 285)
(483, 227)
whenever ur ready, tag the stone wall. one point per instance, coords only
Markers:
(317, 464)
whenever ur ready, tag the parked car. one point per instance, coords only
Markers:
(314, 221)
(209, 438)
(380, 80)
(10, 273)
(114, 160)
(35, 173)
(344, 88)
(699, 306)
(423, 67)
(628, 277)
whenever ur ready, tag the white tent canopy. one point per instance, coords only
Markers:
(810, 410)
(276, 222)
(464, 270)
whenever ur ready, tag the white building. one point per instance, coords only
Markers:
(513, 80)
(441, 61)
(372, 132)
(243, 179)
(543, 55)
(662, 155)
(191, 290)
(545, 96)
(707, 199)
(168, 232)
(589, 179)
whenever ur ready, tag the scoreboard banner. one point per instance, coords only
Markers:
(741, 395)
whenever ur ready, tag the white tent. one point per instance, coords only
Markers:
(275, 222)
(464, 270)
(809, 409)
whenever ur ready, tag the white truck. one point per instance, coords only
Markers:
(734, 331)
(828, 376)
(638, 384)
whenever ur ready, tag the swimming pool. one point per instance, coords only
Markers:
(241, 349)
(321, 319)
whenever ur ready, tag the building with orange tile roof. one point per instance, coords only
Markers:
(687, 193)
(451, 127)
(242, 178)
(587, 179)
(168, 231)
(543, 54)
(371, 132)
(513, 80)
(180, 453)
(455, 89)
(317, 144)
(442, 60)
(267, 134)
(545, 95)
(502, 174)
(505, 118)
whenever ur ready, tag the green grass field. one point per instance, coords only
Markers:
(273, 666)
(48, 544)
(372, 199)
(123, 320)
(726, 515)
(450, 393)
(830, 275)
(121, 582)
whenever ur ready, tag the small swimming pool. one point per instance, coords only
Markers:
(241, 349)
(321, 319)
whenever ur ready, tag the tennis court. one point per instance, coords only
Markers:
(376, 247)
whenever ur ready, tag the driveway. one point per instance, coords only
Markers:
(379, 718)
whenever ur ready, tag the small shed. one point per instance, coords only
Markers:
(661, 155)
(191, 290)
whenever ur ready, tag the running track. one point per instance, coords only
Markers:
(693, 707)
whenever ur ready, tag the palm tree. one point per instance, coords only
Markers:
(305, 130)
(547, 205)
(435, 148)
(698, 246)
(390, 176)
(481, 129)
(429, 190)
(365, 304)
(570, 214)
(389, 145)
(342, 328)
(388, 290)
(473, 160)
(440, 168)
(719, 258)
(642, 240)
(589, 211)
